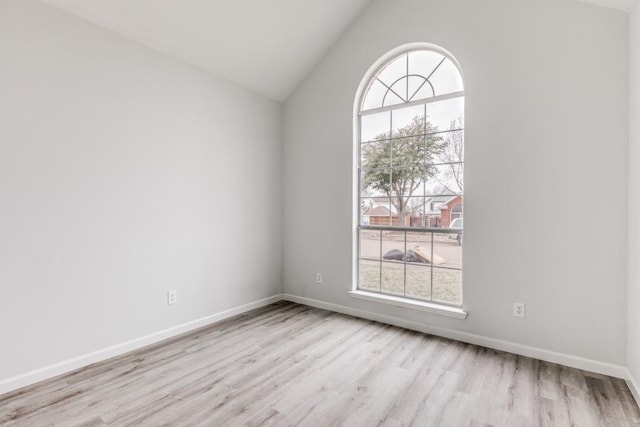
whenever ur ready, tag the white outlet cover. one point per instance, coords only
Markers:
(518, 309)
(172, 297)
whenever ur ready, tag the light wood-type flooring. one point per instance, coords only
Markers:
(288, 364)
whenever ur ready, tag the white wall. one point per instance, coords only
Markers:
(546, 175)
(123, 174)
(633, 307)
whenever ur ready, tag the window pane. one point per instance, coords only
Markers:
(393, 278)
(407, 181)
(395, 70)
(392, 245)
(373, 98)
(423, 62)
(416, 84)
(392, 261)
(366, 206)
(419, 247)
(443, 114)
(408, 152)
(433, 215)
(417, 256)
(419, 281)
(448, 249)
(424, 92)
(408, 121)
(376, 182)
(404, 214)
(400, 88)
(379, 211)
(369, 272)
(442, 210)
(434, 147)
(445, 179)
(375, 126)
(447, 286)
(391, 98)
(452, 147)
(375, 155)
(414, 207)
(370, 244)
(446, 79)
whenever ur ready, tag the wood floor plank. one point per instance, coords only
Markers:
(289, 365)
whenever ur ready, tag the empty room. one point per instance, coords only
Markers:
(319, 213)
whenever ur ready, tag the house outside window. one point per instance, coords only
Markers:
(410, 177)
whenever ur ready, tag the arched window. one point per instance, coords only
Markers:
(410, 154)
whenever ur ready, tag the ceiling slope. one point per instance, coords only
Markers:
(268, 46)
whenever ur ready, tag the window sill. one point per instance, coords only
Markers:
(443, 310)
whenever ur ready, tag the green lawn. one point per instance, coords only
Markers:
(447, 284)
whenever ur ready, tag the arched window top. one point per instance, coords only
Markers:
(413, 76)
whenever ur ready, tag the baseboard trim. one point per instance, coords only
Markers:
(496, 344)
(633, 386)
(32, 377)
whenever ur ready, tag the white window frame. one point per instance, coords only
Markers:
(404, 302)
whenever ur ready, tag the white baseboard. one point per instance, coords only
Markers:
(51, 371)
(66, 366)
(634, 387)
(496, 344)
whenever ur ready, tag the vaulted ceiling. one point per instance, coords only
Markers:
(265, 45)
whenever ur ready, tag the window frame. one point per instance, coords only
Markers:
(446, 309)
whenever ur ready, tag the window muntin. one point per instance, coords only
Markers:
(411, 179)
(412, 77)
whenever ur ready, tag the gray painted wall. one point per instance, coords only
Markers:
(633, 307)
(124, 174)
(546, 152)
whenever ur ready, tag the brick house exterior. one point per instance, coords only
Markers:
(450, 210)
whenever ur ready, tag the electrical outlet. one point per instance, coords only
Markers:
(318, 277)
(518, 309)
(172, 297)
